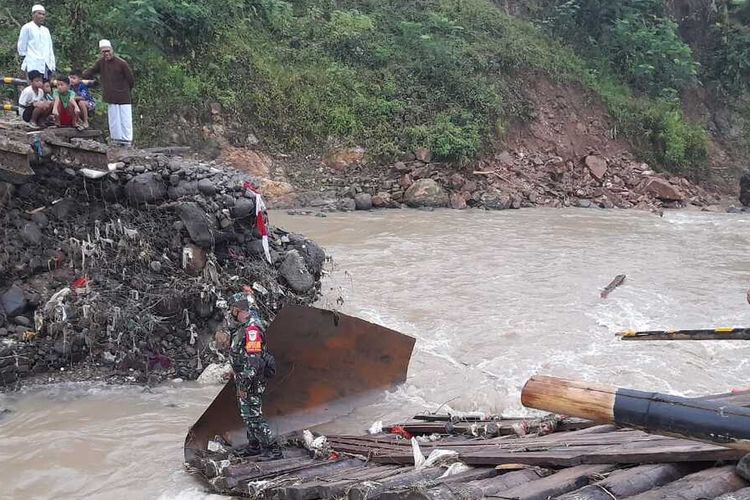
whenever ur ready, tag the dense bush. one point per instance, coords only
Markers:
(391, 75)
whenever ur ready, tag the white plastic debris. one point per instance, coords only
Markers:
(455, 468)
(429, 439)
(440, 457)
(418, 456)
(317, 444)
(92, 174)
(376, 427)
(216, 446)
(214, 374)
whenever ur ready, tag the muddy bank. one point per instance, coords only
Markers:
(120, 277)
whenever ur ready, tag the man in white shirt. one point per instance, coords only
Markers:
(35, 44)
(34, 107)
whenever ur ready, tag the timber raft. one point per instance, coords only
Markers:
(550, 457)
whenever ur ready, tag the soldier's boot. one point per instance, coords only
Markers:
(272, 452)
(743, 467)
(252, 449)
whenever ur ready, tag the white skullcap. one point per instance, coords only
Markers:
(37, 8)
(104, 44)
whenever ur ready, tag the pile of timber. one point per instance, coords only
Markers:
(578, 460)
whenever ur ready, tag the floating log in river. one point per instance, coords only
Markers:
(619, 280)
(695, 334)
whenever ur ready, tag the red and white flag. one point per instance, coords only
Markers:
(260, 221)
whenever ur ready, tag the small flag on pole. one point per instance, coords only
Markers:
(260, 221)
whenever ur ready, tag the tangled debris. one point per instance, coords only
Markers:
(123, 274)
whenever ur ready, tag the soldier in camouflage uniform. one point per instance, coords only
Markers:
(253, 365)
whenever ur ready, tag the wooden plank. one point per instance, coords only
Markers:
(371, 490)
(629, 482)
(415, 491)
(708, 483)
(333, 487)
(561, 482)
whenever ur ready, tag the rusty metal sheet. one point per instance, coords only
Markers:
(325, 358)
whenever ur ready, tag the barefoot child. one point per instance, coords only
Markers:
(65, 110)
(31, 101)
(84, 99)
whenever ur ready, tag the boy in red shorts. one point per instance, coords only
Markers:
(65, 110)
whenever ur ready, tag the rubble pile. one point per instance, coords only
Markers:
(127, 272)
(511, 179)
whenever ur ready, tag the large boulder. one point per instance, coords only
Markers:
(294, 271)
(662, 189)
(426, 193)
(496, 200)
(597, 166)
(13, 301)
(197, 224)
(363, 201)
(243, 207)
(146, 188)
(745, 189)
(342, 159)
(313, 255)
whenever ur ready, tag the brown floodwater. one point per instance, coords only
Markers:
(491, 297)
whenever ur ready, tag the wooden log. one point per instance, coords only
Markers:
(707, 421)
(369, 490)
(695, 334)
(419, 491)
(561, 482)
(629, 482)
(708, 483)
(617, 281)
(334, 487)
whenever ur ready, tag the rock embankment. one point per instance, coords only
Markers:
(506, 181)
(123, 273)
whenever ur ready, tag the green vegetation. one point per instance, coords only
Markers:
(393, 75)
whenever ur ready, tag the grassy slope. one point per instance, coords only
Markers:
(387, 74)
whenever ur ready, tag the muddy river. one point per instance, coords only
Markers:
(492, 298)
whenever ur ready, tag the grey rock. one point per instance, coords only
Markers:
(155, 266)
(744, 189)
(197, 224)
(139, 169)
(146, 188)
(63, 209)
(363, 201)
(294, 271)
(13, 301)
(313, 255)
(3, 332)
(206, 187)
(31, 234)
(426, 193)
(496, 200)
(243, 207)
(346, 205)
(582, 203)
(22, 320)
(40, 219)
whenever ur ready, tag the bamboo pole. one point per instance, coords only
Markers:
(696, 334)
(698, 420)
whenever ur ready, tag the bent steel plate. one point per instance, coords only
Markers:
(324, 360)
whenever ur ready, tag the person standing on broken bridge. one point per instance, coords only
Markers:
(253, 365)
(35, 45)
(117, 82)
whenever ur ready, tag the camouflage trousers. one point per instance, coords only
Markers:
(249, 397)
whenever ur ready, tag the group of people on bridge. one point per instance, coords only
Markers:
(71, 104)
